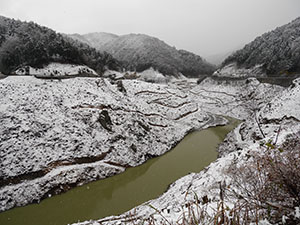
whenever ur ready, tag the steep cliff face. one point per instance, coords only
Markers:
(277, 51)
(140, 52)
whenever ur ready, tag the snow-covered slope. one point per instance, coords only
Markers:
(57, 69)
(29, 44)
(277, 51)
(201, 191)
(150, 75)
(232, 70)
(140, 52)
(56, 134)
(287, 104)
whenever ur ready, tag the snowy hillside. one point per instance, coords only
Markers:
(286, 104)
(57, 69)
(278, 51)
(56, 134)
(273, 123)
(232, 70)
(96, 40)
(29, 44)
(140, 52)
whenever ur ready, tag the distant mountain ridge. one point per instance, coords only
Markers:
(97, 40)
(29, 44)
(277, 51)
(140, 52)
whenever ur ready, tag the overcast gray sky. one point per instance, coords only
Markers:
(205, 27)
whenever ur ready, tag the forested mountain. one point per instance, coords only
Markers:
(27, 43)
(277, 51)
(139, 52)
(96, 40)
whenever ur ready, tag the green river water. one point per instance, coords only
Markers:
(122, 192)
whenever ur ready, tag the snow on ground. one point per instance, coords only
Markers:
(59, 133)
(48, 124)
(57, 69)
(150, 75)
(231, 70)
(206, 184)
(286, 104)
(113, 74)
(275, 122)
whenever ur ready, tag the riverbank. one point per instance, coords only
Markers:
(60, 134)
(118, 194)
(226, 182)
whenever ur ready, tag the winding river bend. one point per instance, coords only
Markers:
(117, 194)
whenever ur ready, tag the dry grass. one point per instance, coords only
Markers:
(269, 185)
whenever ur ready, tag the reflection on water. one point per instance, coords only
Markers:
(122, 192)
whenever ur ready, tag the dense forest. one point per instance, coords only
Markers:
(27, 43)
(139, 52)
(277, 51)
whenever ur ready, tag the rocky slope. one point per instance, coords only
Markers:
(57, 134)
(28, 44)
(140, 52)
(276, 52)
(277, 120)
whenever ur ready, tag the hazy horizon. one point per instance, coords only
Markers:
(205, 27)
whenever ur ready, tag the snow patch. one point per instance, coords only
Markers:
(57, 69)
(285, 104)
(231, 70)
(151, 75)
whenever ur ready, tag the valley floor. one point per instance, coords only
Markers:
(273, 120)
(59, 134)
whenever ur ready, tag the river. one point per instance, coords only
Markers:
(117, 194)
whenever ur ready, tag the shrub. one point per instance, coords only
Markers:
(269, 186)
